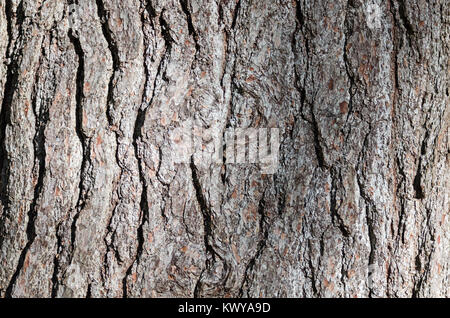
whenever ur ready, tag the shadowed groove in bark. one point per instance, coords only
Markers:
(417, 183)
(165, 31)
(85, 142)
(401, 227)
(343, 272)
(56, 264)
(317, 137)
(318, 141)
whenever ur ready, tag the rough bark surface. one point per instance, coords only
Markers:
(92, 204)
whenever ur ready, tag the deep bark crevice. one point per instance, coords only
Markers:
(84, 140)
(56, 262)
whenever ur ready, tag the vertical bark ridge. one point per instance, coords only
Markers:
(9, 88)
(41, 118)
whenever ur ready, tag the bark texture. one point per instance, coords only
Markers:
(92, 204)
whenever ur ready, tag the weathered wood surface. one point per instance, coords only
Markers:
(93, 205)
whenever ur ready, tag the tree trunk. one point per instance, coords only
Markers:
(96, 203)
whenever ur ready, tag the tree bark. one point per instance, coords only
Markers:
(93, 203)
